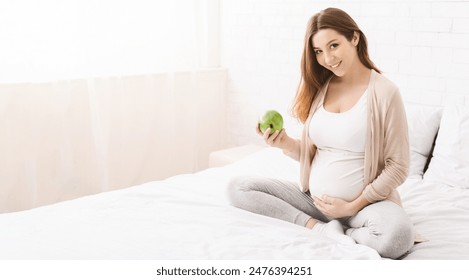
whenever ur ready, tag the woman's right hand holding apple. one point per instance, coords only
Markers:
(278, 139)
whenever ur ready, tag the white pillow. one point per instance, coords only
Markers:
(423, 122)
(450, 161)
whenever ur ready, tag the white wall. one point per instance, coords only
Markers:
(423, 46)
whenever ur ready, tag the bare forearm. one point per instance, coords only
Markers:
(292, 148)
(338, 208)
(358, 204)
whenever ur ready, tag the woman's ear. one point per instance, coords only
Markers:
(355, 38)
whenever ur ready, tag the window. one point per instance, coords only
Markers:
(67, 39)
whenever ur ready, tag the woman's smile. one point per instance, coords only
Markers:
(336, 65)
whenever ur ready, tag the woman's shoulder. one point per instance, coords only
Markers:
(384, 85)
(386, 92)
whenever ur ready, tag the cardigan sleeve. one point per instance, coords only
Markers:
(394, 162)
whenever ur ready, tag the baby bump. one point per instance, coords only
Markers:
(337, 175)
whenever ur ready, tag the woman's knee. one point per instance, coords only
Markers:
(236, 187)
(398, 241)
(389, 229)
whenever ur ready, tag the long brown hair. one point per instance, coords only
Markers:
(313, 75)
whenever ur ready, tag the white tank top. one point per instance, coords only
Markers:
(338, 166)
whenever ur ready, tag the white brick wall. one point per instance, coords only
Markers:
(423, 46)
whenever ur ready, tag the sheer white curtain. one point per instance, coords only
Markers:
(100, 95)
(63, 39)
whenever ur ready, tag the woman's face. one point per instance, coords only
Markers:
(334, 52)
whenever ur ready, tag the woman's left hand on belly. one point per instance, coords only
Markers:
(334, 207)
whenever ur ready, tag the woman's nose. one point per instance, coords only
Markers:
(328, 58)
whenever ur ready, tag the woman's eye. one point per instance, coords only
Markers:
(317, 51)
(333, 46)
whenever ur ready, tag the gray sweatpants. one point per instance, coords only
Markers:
(383, 226)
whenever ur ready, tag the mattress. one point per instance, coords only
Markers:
(189, 217)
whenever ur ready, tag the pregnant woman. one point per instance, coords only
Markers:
(354, 150)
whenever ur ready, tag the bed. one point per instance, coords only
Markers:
(189, 217)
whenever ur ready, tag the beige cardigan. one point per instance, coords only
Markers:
(387, 142)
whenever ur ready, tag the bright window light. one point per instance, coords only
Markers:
(67, 39)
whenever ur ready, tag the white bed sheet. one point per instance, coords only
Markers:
(440, 214)
(189, 217)
(183, 217)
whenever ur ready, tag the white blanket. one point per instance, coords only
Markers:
(440, 214)
(189, 217)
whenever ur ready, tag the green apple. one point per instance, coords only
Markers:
(271, 119)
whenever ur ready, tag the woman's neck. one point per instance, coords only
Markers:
(359, 75)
